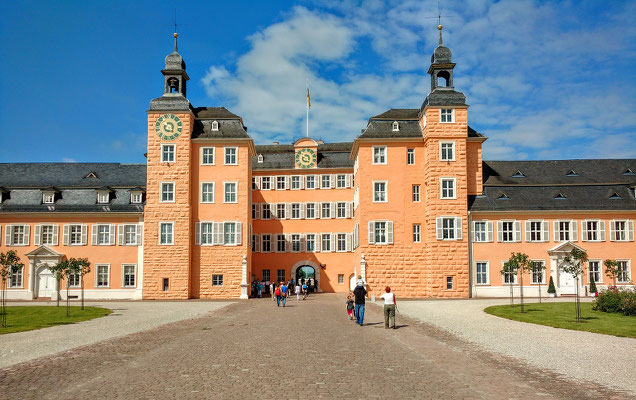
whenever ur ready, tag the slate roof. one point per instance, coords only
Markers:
(214, 113)
(230, 124)
(330, 155)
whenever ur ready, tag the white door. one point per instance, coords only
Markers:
(352, 282)
(566, 282)
(47, 283)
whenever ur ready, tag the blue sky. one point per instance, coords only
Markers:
(545, 80)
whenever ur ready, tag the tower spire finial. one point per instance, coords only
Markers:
(439, 28)
(176, 35)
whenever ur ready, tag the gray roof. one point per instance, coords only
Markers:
(69, 200)
(442, 55)
(281, 156)
(381, 125)
(230, 124)
(41, 175)
(214, 113)
(442, 96)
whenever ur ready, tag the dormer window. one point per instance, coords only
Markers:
(628, 171)
(103, 197)
(260, 158)
(48, 197)
(215, 125)
(572, 173)
(91, 175)
(396, 126)
(503, 196)
(615, 196)
(136, 197)
(518, 174)
(559, 196)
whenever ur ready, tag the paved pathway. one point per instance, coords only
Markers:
(127, 317)
(308, 350)
(587, 356)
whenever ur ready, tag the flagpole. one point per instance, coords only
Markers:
(307, 108)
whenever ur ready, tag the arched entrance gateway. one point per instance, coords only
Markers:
(305, 268)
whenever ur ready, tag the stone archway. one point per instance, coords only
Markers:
(312, 264)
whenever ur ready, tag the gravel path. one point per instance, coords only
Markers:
(604, 359)
(127, 317)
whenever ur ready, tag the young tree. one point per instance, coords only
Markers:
(574, 266)
(538, 268)
(611, 269)
(520, 262)
(59, 271)
(510, 269)
(9, 265)
(84, 267)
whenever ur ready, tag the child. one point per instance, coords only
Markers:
(350, 307)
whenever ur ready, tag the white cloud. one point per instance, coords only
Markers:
(69, 160)
(543, 79)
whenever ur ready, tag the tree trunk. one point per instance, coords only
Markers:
(82, 283)
(68, 300)
(539, 292)
(58, 292)
(3, 320)
(521, 290)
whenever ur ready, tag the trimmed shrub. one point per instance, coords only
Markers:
(629, 303)
(593, 286)
(551, 288)
(616, 301)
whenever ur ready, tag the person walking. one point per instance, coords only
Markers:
(389, 308)
(297, 291)
(359, 293)
(272, 289)
(290, 288)
(304, 287)
(259, 289)
(350, 306)
(283, 293)
(277, 295)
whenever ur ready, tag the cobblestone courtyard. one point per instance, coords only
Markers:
(254, 350)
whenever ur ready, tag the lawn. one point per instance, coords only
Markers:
(27, 318)
(562, 315)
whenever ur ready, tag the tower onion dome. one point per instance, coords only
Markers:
(442, 54)
(174, 61)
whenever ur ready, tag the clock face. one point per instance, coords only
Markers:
(168, 127)
(305, 158)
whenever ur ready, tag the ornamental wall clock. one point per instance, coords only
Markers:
(305, 158)
(168, 127)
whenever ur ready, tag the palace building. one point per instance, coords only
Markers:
(409, 204)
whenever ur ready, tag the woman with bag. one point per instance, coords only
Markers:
(389, 308)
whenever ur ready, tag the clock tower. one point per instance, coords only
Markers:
(167, 214)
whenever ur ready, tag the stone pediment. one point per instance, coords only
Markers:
(563, 248)
(44, 251)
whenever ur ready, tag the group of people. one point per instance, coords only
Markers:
(281, 291)
(356, 305)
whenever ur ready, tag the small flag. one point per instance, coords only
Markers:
(308, 100)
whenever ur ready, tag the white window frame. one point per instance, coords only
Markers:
(543, 273)
(136, 197)
(225, 155)
(82, 234)
(215, 126)
(236, 235)
(266, 208)
(225, 192)
(338, 237)
(410, 156)
(396, 126)
(516, 231)
(98, 234)
(599, 232)
(415, 193)
(453, 149)
(19, 274)
(267, 236)
(310, 238)
(417, 233)
(103, 197)
(281, 179)
(326, 238)
(457, 228)
(599, 263)
(628, 271)
(206, 238)
(341, 184)
(123, 275)
(212, 150)
(124, 235)
(216, 281)
(295, 245)
(168, 243)
(298, 207)
(161, 192)
(627, 233)
(343, 209)
(383, 155)
(443, 114)
(515, 280)
(488, 232)
(572, 230)
(312, 206)
(40, 234)
(323, 215)
(311, 178)
(203, 201)
(386, 192)
(327, 181)
(296, 185)
(267, 179)
(163, 153)
(48, 198)
(453, 189)
(487, 272)
(97, 274)
(544, 231)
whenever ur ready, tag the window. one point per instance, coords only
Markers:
(623, 272)
(48, 234)
(136, 197)
(129, 235)
(341, 209)
(266, 274)
(310, 210)
(310, 182)
(280, 211)
(207, 192)
(341, 181)
(565, 231)
(410, 156)
(447, 151)
(280, 243)
(448, 228)
(207, 155)
(510, 278)
(266, 212)
(448, 188)
(230, 192)
(103, 197)
(167, 153)
(396, 126)
(230, 234)
(482, 231)
(449, 283)
(48, 198)
(18, 235)
(129, 276)
(103, 275)
(340, 279)
(266, 243)
(166, 232)
(280, 275)
(73, 280)
(621, 230)
(379, 154)
(207, 234)
(536, 231)
(341, 240)
(593, 230)
(325, 181)
(310, 242)
(380, 232)
(103, 234)
(481, 273)
(217, 280)
(15, 278)
(295, 182)
(280, 183)
(167, 192)
(595, 271)
(295, 211)
(326, 210)
(326, 242)
(416, 193)
(295, 243)
(230, 155)
(447, 115)
(379, 191)
(266, 183)
(215, 125)
(166, 284)
(538, 275)
(507, 231)
(416, 233)
(75, 233)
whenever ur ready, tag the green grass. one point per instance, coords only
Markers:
(20, 319)
(562, 315)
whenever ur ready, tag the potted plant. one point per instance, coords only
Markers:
(551, 289)
(593, 290)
